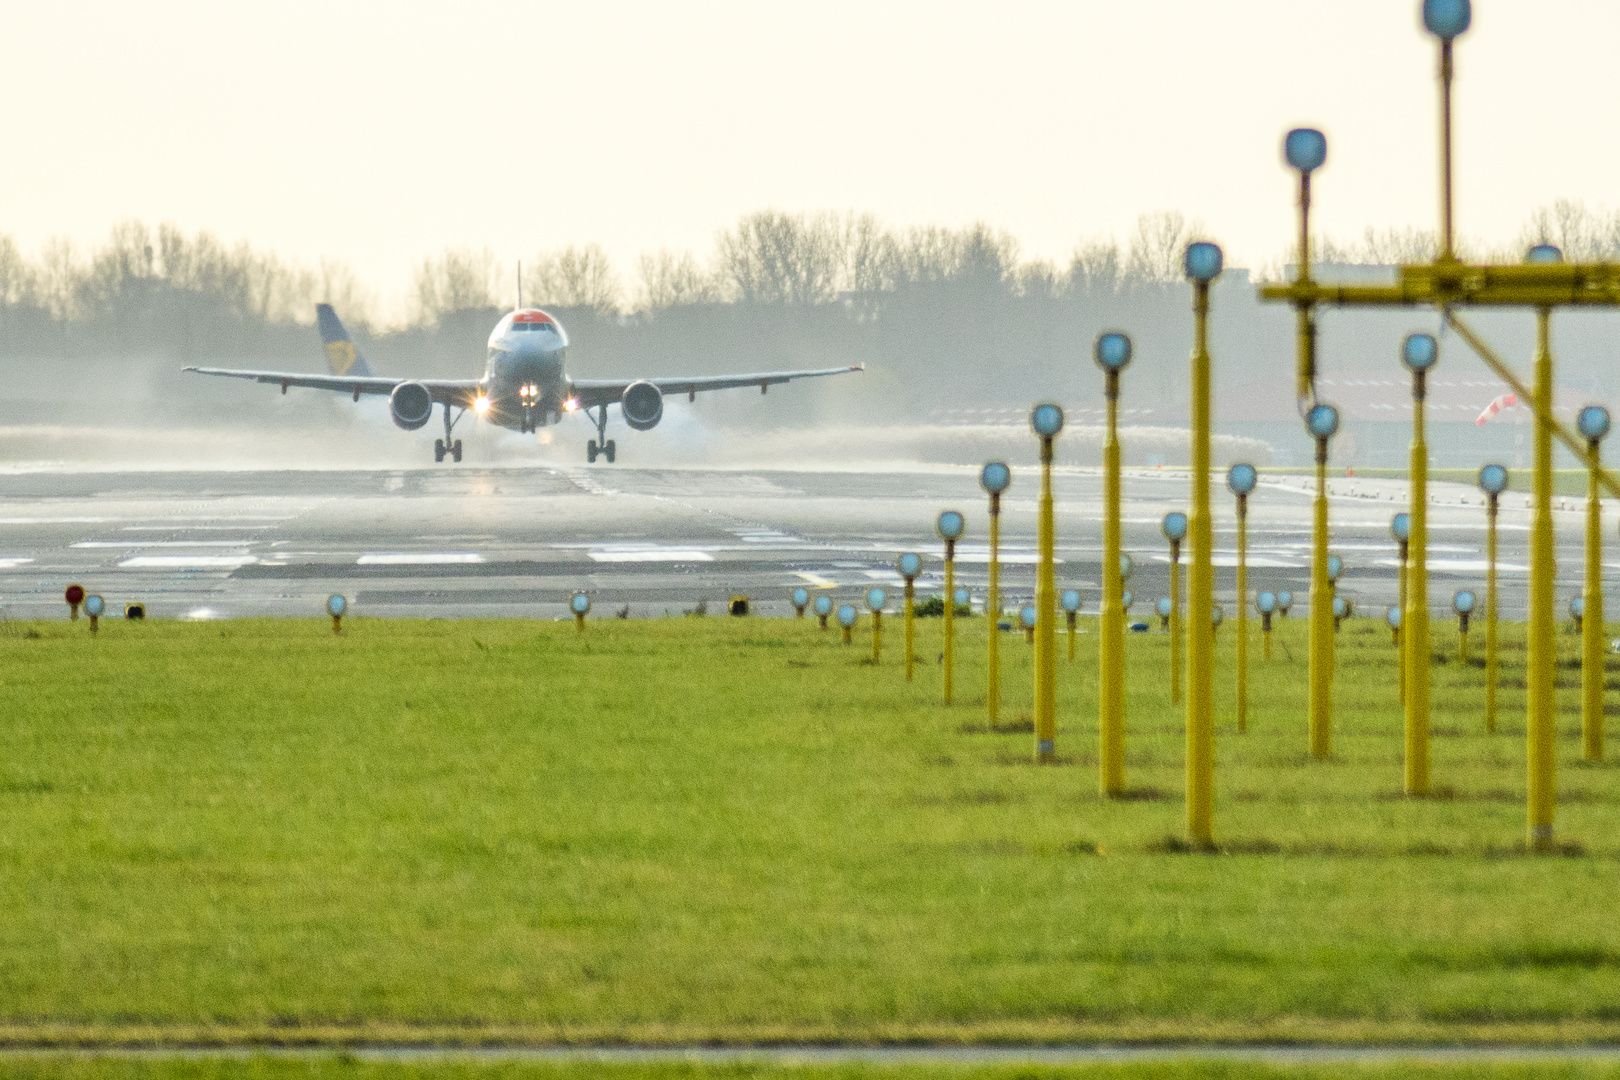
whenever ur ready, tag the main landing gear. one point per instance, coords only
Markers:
(601, 444)
(445, 446)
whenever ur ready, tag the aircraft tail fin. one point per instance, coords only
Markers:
(341, 355)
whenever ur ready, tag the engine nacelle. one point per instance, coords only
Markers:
(411, 405)
(642, 405)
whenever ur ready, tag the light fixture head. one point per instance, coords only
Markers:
(876, 598)
(1126, 598)
(995, 477)
(1026, 615)
(847, 615)
(1266, 603)
(801, 597)
(823, 605)
(1305, 149)
(963, 597)
(1577, 605)
(909, 564)
(1341, 607)
(1070, 600)
(1446, 19)
(1242, 478)
(1285, 600)
(1174, 526)
(1592, 422)
(1335, 567)
(1322, 421)
(1163, 605)
(1419, 352)
(950, 525)
(1126, 565)
(1400, 527)
(1463, 601)
(1392, 616)
(1544, 255)
(579, 603)
(1112, 350)
(1046, 419)
(1202, 261)
(337, 605)
(1493, 479)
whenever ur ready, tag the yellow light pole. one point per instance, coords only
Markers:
(1174, 528)
(1541, 716)
(1202, 263)
(1046, 420)
(1265, 604)
(995, 478)
(908, 566)
(1593, 424)
(1392, 619)
(950, 525)
(1070, 602)
(823, 608)
(1322, 423)
(1240, 481)
(1419, 352)
(580, 605)
(875, 599)
(1112, 352)
(1462, 602)
(1400, 528)
(801, 600)
(1493, 480)
(846, 619)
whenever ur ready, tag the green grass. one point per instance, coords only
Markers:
(731, 829)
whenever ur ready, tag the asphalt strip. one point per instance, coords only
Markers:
(876, 1055)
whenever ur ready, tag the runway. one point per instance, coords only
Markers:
(452, 541)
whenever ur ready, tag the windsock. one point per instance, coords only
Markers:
(1506, 401)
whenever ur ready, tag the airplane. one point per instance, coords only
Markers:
(525, 385)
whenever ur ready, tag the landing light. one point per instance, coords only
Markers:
(571, 405)
(480, 405)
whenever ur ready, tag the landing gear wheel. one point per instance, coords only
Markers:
(455, 451)
(438, 449)
(610, 449)
(590, 451)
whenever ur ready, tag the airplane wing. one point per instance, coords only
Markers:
(594, 392)
(445, 391)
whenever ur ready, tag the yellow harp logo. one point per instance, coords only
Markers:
(340, 355)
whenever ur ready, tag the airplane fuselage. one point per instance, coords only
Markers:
(525, 383)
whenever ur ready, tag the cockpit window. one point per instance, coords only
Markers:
(519, 327)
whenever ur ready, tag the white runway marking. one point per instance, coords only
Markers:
(125, 544)
(651, 555)
(186, 562)
(422, 558)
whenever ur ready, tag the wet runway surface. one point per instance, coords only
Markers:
(466, 540)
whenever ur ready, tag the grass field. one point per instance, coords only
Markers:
(734, 830)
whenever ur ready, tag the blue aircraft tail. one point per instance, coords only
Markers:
(341, 355)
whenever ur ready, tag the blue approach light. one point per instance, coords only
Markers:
(1112, 351)
(1217, 614)
(1463, 602)
(823, 606)
(1046, 419)
(1285, 600)
(1174, 526)
(94, 606)
(801, 597)
(1577, 606)
(1266, 603)
(1026, 615)
(1203, 261)
(1164, 606)
(1241, 478)
(1445, 19)
(995, 477)
(909, 565)
(1126, 599)
(1305, 149)
(963, 598)
(1125, 566)
(1419, 352)
(579, 603)
(1322, 421)
(1335, 567)
(876, 598)
(847, 615)
(1592, 422)
(1493, 479)
(950, 525)
(1400, 527)
(1071, 600)
(1392, 616)
(337, 605)
(1341, 607)
(1544, 255)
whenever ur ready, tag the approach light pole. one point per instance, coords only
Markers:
(1265, 604)
(875, 599)
(950, 525)
(995, 478)
(1241, 480)
(1322, 423)
(1400, 529)
(909, 565)
(1174, 528)
(1112, 353)
(1202, 263)
(1070, 602)
(1493, 480)
(1462, 602)
(1419, 352)
(1593, 424)
(1046, 420)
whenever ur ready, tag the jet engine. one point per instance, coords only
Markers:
(642, 405)
(411, 405)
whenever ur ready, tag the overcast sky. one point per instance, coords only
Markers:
(382, 132)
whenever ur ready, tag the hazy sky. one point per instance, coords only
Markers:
(381, 132)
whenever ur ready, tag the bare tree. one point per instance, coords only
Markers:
(342, 288)
(59, 270)
(1095, 267)
(776, 258)
(457, 280)
(1583, 235)
(577, 277)
(670, 279)
(1157, 248)
(16, 277)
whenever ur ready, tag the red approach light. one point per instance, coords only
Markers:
(74, 595)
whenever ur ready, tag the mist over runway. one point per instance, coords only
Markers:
(516, 541)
